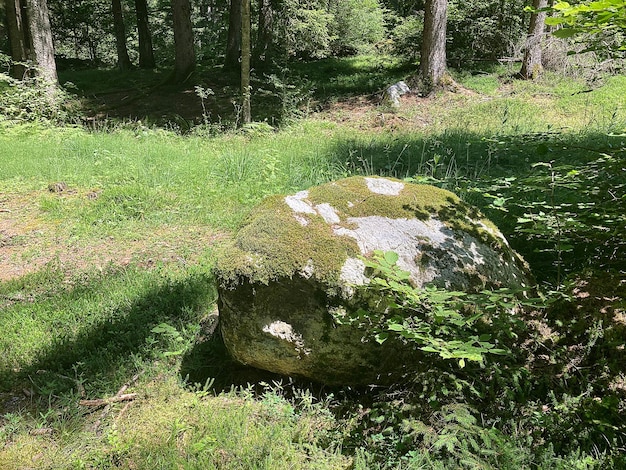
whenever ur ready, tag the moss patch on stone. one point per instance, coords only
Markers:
(351, 197)
(279, 242)
(273, 245)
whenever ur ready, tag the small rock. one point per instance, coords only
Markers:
(394, 92)
(58, 187)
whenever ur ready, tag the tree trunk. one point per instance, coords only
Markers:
(38, 41)
(185, 55)
(245, 60)
(16, 26)
(146, 53)
(433, 57)
(531, 65)
(264, 43)
(123, 61)
(233, 44)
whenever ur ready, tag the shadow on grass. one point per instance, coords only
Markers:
(110, 94)
(112, 316)
(209, 365)
(568, 183)
(340, 78)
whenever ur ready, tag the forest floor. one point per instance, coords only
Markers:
(29, 242)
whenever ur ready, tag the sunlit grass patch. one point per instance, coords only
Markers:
(167, 427)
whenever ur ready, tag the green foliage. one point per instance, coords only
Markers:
(484, 29)
(81, 30)
(595, 21)
(571, 214)
(306, 29)
(358, 25)
(451, 324)
(313, 29)
(32, 100)
(406, 36)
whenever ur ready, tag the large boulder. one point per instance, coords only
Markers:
(299, 258)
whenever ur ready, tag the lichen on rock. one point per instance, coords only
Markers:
(299, 257)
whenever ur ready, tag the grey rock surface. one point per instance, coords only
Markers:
(299, 259)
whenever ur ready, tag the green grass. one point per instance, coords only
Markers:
(362, 75)
(76, 330)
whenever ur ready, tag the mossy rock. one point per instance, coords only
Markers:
(298, 258)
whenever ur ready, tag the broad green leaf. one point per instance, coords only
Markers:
(391, 257)
(499, 352)
(381, 337)
(566, 32)
(396, 327)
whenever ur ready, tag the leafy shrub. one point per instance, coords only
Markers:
(357, 26)
(31, 99)
(305, 29)
(312, 29)
(447, 323)
(406, 36)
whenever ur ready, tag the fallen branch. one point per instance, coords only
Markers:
(41, 431)
(107, 401)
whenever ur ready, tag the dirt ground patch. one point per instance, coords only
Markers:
(28, 243)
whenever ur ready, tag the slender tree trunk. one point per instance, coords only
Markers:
(146, 52)
(185, 55)
(433, 56)
(4, 32)
(17, 37)
(123, 61)
(532, 65)
(264, 43)
(245, 60)
(233, 44)
(41, 51)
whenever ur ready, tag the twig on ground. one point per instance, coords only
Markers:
(107, 402)
(123, 411)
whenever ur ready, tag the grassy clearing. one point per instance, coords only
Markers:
(143, 207)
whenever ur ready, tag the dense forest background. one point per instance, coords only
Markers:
(178, 37)
(284, 30)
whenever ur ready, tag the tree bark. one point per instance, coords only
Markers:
(245, 60)
(42, 47)
(265, 39)
(30, 36)
(433, 56)
(15, 14)
(233, 44)
(146, 52)
(185, 55)
(532, 66)
(123, 61)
